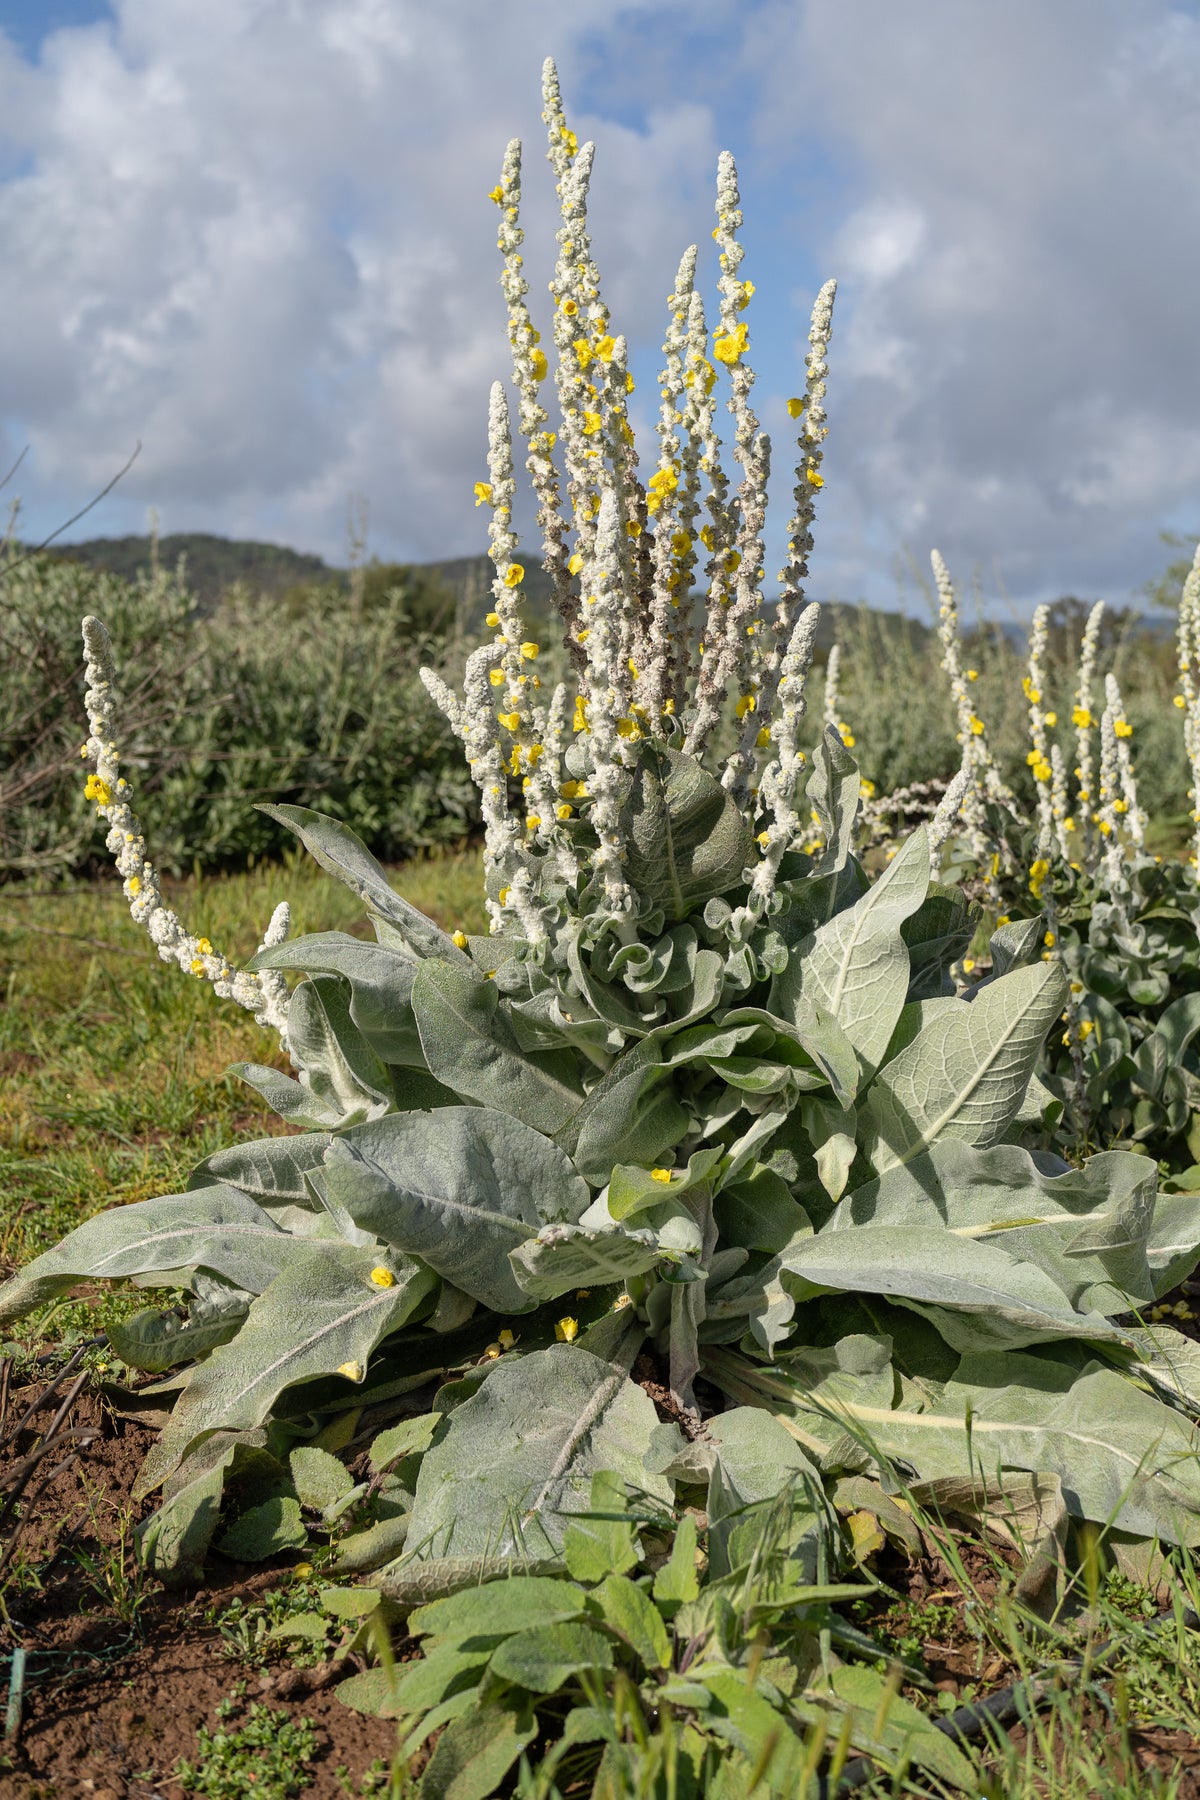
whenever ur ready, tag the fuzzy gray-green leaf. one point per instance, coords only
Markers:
(471, 1047)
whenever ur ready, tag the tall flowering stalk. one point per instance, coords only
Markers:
(263, 995)
(1189, 697)
(1085, 724)
(1051, 810)
(984, 778)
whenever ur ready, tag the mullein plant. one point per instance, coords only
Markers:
(1120, 922)
(702, 1087)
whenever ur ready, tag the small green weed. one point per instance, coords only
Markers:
(243, 1625)
(268, 1756)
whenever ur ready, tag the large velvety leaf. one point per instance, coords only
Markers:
(1086, 1228)
(833, 793)
(380, 981)
(631, 1116)
(342, 1080)
(215, 1228)
(323, 1316)
(344, 855)
(460, 1188)
(963, 1072)
(1122, 1456)
(986, 1297)
(686, 840)
(522, 1452)
(564, 1257)
(855, 967)
(470, 1045)
(1173, 1246)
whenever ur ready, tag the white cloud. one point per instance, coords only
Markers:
(1016, 366)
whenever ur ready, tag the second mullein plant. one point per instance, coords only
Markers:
(704, 1088)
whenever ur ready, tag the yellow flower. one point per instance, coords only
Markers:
(529, 651)
(509, 720)
(571, 790)
(660, 1174)
(569, 141)
(83, 751)
(1180, 701)
(795, 408)
(977, 726)
(493, 619)
(502, 896)
(565, 811)
(1049, 940)
(569, 307)
(514, 575)
(383, 1277)
(968, 964)
(591, 423)
(1004, 919)
(539, 365)
(627, 728)
(493, 1352)
(764, 838)
(580, 720)
(729, 345)
(496, 677)
(497, 194)
(1041, 771)
(134, 885)
(1032, 694)
(745, 705)
(628, 382)
(605, 348)
(583, 352)
(507, 1338)
(866, 789)
(96, 789)
(1081, 717)
(1051, 718)
(460, 938)
(567, 1330)
(483, 493)
(532, 821)
(972, 674)
(763, 738)
(197, 966)
(353, 1371)
(574, 563)
(814, 477)
(1122, 727)
(848, 738)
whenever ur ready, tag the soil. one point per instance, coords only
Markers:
(117, 1684)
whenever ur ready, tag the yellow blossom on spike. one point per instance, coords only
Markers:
(660, 1174)
(492, 619)
(814, 477)
(1081, 717)
(795, 407)
(539, 365)
(532, 821)
(572, 790)
(507, 1338)
(533, 752)
(96, 789)
(497, 194)
(583, 352)
(529, 651)
(483, 493)
(605, 348)
(493, 1352)
(564, 811)
(509, 720)
(1180, 701)
(569, 307)
(764, 838)
(591, 423)
(496, 677)
(627, 728)
(460, 938)
(353, 1371)
(976, 726)
(83, 750)
(383, 1278)
(968, 964)
(1122, 727)
(197, 966)
(1049, 940)
(745, 705)
(1004, 919)
(567, 1330)
(514, 575)
(728, 346)
(848, 738)
(681, 543)
(569, 141)
(1050, 718)
(706, 536)
(972, 674)
(580, 721)
(866, 789)
(134, 885)
(763, 738)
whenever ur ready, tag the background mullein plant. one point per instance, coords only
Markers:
(703, 1086)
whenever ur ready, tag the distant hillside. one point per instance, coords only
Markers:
(213, 563)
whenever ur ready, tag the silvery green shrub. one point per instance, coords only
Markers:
(704, 1086)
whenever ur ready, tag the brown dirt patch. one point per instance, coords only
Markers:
(121, 1673)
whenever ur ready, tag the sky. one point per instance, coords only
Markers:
(254, 237)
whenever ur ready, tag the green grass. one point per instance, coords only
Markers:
(113, 1065)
